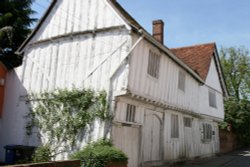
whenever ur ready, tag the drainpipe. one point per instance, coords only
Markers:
(110, 94)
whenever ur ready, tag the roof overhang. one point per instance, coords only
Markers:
(220, 73)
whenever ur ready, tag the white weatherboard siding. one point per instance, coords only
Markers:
(78, 15)
(85, 43)
(189, 143)
(86, 59)
(76, 63)
(154, 124)
(165, 88)
(213, 78)
(212, 83)
(204, 107)
(71, 62)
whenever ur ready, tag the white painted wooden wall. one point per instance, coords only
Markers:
(188, 145)
(84, 60)
(89, 60)
(78, 15)
(165, 88)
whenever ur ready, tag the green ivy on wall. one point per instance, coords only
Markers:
(63, 114)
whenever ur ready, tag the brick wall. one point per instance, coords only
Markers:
(74, 163)
(228, 141)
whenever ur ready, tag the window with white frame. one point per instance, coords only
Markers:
(130, 115)
(206, 132)
(174, 126)
(181, 81)
(153, 64)
(212, 98)
(187, 122)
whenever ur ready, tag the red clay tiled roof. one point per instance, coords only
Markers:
(197, 57)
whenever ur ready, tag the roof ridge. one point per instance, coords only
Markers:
(193, 46)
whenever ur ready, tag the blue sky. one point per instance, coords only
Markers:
(188, 22)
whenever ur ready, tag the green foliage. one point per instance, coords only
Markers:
(236, 68)
(15, 22)
(62, 115)
(237, 114)
(42, 154)
(99, 154)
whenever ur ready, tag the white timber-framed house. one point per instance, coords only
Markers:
(167, 103)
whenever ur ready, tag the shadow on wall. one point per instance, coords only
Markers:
(13, 121)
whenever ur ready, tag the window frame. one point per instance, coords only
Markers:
(206, 132)
(153, 64)
(181, 80)
(187, 122)
(130, 113)
(175, 132)
(212, 100)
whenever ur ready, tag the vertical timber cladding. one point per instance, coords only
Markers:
(152, 136)
(127, 138)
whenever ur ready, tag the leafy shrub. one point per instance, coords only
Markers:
(42, 154)
(99, 154)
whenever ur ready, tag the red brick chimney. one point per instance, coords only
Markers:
(158, 30)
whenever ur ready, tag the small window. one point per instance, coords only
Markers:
(153, 64)
(181, 81)
(206, 132)
(174, 126)
(187, 122)
(212, 99)
(130, 116)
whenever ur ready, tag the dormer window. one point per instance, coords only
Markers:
(153, 64)
(181, 81)
(212, 99)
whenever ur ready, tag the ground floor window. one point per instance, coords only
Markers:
(206, 132)
(187, 122)
(130, 116)
(174, 126)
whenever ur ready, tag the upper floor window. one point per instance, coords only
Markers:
(153, 64)
(181, 81)
(130, 115)
(174, 126)
(212, 99)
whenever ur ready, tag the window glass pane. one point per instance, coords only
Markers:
(174, 126)
(187, 122)
(153, 64)
(206, 132)
(181, 81)
(212, 99)
(130, 115)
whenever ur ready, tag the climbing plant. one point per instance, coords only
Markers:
(62, 115)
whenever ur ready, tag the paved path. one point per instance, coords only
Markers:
(235, 159)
